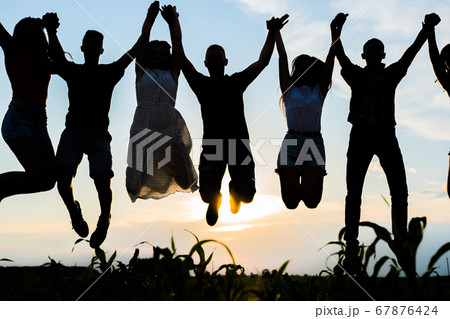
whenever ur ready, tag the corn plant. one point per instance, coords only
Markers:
(404, 249)
(6, 259)
(274, 287)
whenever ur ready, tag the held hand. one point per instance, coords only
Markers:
(338, 22)
(153, 10)
(275, 24)
(169, 13)
(432, 20)
(50, 21)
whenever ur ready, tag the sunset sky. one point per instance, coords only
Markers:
(264, 233)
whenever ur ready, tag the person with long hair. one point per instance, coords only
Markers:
(441, 64)
(301, 161)
(156, 120)
(24, 126)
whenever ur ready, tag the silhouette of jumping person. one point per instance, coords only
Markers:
(302, 154)
(24, 126)
(373, 130)
(440, 62)
(90, 88)
(157, 73)
(225, 134)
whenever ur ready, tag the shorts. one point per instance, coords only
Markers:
(302, 151)
(25, 120)
(241, 167)
(96, 145)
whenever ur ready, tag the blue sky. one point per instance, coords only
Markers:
(263, 234)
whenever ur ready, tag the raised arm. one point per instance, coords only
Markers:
(152, 13)
(264, 57)
(338, 49)
(439, 67)
(412, 51)
(283, 65)
(51, 24)
(170, 14)
(5, 37)
(128, 57)
(189, 71)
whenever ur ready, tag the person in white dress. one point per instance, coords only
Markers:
(158, 157)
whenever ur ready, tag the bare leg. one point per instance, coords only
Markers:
(291, 191)
(38, 161)
(312, 186)
(103, 184)
(65, 189)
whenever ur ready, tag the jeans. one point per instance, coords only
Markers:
(365, 142)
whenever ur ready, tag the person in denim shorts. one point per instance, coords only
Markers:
(301, 161)
(90, 90)
(24, 126)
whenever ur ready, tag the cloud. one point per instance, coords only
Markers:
(375, 169)
(270, 7)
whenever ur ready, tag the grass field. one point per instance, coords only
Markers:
(168, 275)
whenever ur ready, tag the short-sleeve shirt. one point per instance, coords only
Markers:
(373, 92)
(222, 104)
(90, 92)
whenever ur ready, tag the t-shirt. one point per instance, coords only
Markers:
(303, 107)
(90, 92)
(373, 92)
(222, 104)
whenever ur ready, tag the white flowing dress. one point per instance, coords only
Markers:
(158, 154)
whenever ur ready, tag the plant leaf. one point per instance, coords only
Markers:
(378, 265)
(444, 248)
(196, 238)
(79, 240)
(6, 259)
(381, 232)
(200, 243)
(386, 201)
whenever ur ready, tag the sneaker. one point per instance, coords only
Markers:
(99, 234)
(212, 214)
(79, 225)
(352, 262)
(235, 204)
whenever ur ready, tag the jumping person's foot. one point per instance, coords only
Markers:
(99, 234)
(352, 262)
(79, 225)
(212, 214)
(235, 204)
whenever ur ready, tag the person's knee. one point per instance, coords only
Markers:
(209, 196)
(244, 191)
(291, 203)
(102, 181)
(311, 203)
(47, 182)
